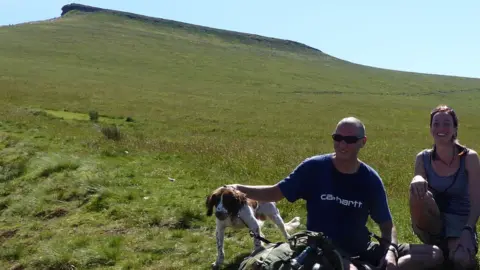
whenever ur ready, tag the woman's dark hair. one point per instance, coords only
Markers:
(444, 108)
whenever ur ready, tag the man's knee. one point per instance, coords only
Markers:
(352, 267)
(347, 265)
(437, 255)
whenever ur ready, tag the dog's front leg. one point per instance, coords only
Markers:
(256, 230)
(278, 220)
(248, 217)
(219, 235)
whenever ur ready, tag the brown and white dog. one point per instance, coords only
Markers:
(234, 209)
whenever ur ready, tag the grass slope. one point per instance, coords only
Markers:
(208, 110)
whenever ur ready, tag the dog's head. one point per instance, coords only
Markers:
(227, 202)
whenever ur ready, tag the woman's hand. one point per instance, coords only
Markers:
(419, 187)
(465, 247)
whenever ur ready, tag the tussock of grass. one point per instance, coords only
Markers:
(12, 253)
(58, 168)
(46, 165)
(13, 158)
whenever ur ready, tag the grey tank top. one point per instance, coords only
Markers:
(450, 192)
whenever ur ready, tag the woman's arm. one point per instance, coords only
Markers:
(419, 169)
(472, 164)
(419, 185)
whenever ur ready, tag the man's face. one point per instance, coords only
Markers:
(346, 142)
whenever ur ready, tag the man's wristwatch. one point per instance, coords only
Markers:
(469, 228)
(394, 250)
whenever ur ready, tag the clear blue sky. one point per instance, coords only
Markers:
(439, 37)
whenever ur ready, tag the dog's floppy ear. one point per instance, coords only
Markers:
(210, 203)
(233, 201)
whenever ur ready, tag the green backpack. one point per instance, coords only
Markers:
(304, 250)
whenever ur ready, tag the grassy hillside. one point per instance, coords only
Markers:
(208, 108)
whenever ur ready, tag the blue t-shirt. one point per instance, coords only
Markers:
(338, 204)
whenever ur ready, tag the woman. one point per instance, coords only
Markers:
(445, 192)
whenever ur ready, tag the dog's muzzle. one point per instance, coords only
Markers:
(221, 215)
(220, 212)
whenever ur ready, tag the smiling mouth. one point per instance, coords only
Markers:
(441, 134)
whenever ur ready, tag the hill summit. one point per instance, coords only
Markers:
(245, 38)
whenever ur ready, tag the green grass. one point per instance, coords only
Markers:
(208, 109)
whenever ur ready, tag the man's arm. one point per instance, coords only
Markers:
(380, 213)
(292, 187)
(261, 193)
(389, 232)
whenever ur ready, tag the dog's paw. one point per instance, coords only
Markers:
(293, 224)
(215, 266)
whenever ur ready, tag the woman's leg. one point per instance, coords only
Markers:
(425, 216)
(461, 258)
(418, 256)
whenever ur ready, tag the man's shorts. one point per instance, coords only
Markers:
(375, 254)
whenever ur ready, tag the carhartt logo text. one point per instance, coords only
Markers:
(330, 197)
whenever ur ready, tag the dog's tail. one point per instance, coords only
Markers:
(292, 224)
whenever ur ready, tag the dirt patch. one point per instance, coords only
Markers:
(49, 214)
(116, 231)
(17, 266)
(8, 234)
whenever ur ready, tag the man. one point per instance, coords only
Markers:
(341, 192)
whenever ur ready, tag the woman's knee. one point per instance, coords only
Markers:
(464, 264)
(463, 260)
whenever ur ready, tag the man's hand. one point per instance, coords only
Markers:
(232, 186)
(271, 193)
(390, 260)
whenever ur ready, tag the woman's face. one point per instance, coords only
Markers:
(442, 129)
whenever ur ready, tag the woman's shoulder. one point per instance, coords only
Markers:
(471, 155)
(472, 162)
(425, 151)
(470, 151)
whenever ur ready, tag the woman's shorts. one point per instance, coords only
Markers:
(452, 228)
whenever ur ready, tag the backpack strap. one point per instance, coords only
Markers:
(263, 239)
(253, 234)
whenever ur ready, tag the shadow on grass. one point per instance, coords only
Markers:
(236, 261)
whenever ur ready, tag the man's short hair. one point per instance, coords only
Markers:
(356, 122)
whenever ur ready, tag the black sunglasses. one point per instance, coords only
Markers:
(347, 139)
